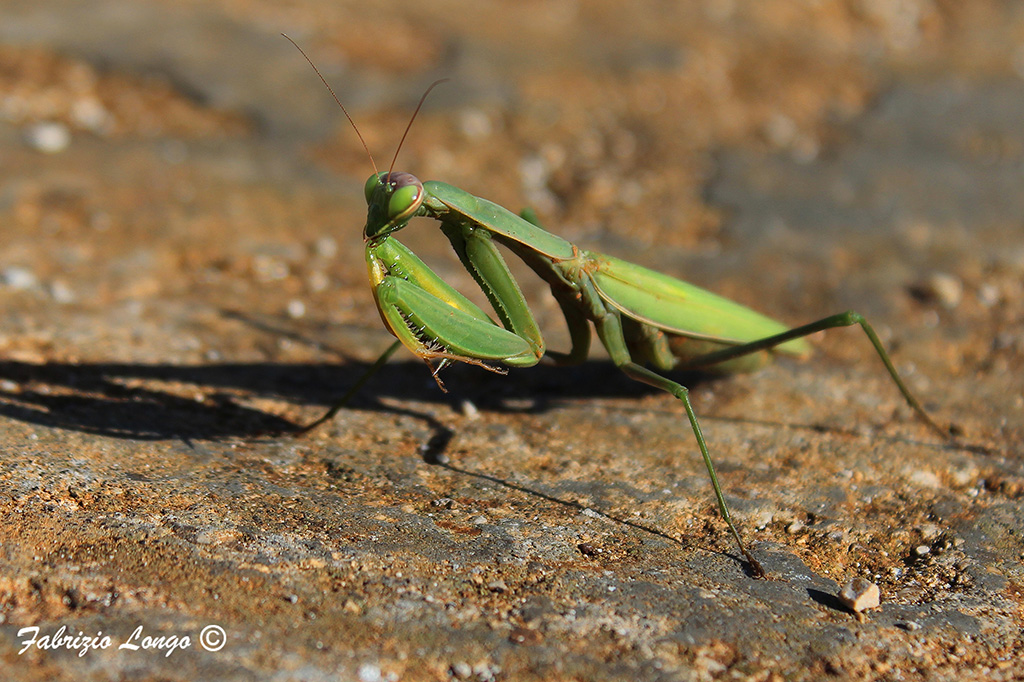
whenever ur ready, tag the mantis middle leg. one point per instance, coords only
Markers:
(609, 330)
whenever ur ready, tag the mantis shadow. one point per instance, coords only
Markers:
(591, 510)
(214, 401)
(151, 402)
(209, 402)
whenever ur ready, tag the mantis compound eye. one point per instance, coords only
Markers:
(372, 183)
(406, 196)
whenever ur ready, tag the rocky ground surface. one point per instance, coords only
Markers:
(182, 285)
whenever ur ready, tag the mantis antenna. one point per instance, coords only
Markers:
(349, 117)
(344, 110)
(411, 119)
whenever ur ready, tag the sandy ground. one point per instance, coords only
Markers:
(182, 285)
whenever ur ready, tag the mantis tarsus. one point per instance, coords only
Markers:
(644, 319)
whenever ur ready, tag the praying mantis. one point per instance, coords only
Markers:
(648, 322)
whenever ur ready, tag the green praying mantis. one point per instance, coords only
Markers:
(649, 323)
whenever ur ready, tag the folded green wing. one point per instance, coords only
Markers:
(680, 308)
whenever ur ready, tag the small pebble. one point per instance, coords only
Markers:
(90, 113)
(326, 247)
(61, 291)
(525, 636)
(469, 410)
(368, 672)
(485, 671)
(318, 281)
(48, 137)
(475, 124)
(296, 309)
(18, 277)
(929, 531)
(988, 295)
(859, 595)
(924, 479)
(946, 289)
(461, 670)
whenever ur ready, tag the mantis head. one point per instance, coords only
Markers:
(391, 199)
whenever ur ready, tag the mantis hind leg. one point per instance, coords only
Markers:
(609, 329)
(847, 319)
